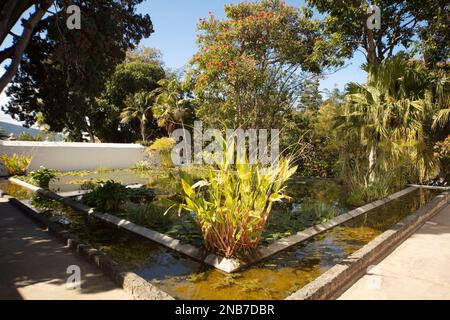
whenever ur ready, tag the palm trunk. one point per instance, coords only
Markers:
(143, 135)
(372, 162)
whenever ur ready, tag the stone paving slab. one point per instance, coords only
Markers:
(33, 265)
(418, 269)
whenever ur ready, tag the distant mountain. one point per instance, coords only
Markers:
(9, 128)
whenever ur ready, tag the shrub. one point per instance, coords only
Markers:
(42, 177)
(163, 148)
(17, 164)
(232, 204)
(107, 196)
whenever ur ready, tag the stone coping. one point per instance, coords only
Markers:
(228, 265)
(56, 144)
(335, 281)
(424, 186)
(137, 286)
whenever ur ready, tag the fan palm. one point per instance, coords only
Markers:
(137, 107)
(170, 106)
(389, 109)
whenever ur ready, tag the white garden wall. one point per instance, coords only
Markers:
(71, 156)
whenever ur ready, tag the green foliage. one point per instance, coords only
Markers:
(107, 196)
(363, 190)
(232, 204)
(142, 166)
(125, 117)
(250, 68)
(284, 223)
(63, 70)
(402, 23)
(442, 152)
(152, 215)
(388, 120)
(141, 195)
(172, 106)
(16, 164)
(41, 136)
(162, 147)
(44, 203)
(43, 176)
(311, 136)
(138, 106)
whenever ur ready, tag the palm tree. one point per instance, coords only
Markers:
(137, 107)
(170, 104)
(389, 109)
(440, 97)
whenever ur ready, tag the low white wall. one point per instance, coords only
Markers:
(71, 156)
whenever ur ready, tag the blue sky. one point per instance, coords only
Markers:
(175, 23)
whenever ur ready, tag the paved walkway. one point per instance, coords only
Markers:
(33, 265)
(418, 269)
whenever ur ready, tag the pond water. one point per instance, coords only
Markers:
(313, 201)
(281, 274)
(273, 278)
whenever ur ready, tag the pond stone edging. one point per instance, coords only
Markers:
(335, 281)
(139, 288)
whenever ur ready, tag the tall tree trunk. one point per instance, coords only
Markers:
(91, 135)
(372, 162)
(143, 125)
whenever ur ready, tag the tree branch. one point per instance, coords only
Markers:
(20, 46)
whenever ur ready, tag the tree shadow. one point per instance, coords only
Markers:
(29, 255)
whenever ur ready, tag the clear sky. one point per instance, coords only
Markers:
(175, 23)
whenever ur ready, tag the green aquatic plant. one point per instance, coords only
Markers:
(142, 166)
(101, 170)
(196, 277)
(43, 203)
(152, 215)
(141, 195)
(43, 176)
(107, 196)
(231, 205)
(16, 164)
